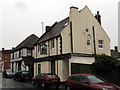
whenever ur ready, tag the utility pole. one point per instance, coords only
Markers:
(42, 27)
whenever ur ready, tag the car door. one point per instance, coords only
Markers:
(40, 79)
(75, 82)
(36, 79)
(84, 83)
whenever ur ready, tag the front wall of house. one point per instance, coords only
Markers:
(50, 51)
(85, 20)
(44, 67)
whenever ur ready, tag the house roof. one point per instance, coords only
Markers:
(55, 30)
(27, 43)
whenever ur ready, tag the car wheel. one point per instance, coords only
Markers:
(68, 88)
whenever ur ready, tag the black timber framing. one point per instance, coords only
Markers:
(62, 57)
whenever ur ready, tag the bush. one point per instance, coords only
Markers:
(103, 63)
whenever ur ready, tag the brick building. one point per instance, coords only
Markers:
(5, 59)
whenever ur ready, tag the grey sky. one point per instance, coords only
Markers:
(20, 18)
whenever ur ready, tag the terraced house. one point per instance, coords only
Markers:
(22, 56)
(68, 47)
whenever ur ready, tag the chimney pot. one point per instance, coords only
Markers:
(116, 48)
(48, 28)
(3, 49)
(73, 7)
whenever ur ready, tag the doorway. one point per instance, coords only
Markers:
(52, 66)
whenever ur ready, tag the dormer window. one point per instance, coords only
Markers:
(52, 43)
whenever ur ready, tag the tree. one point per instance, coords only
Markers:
(103, 63)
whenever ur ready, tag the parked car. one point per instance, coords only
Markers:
(22, 76)
(8, 73)
(88, 82)
(46, 79)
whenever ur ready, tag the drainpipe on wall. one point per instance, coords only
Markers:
(57, 52)
(94, 41)
(71, 37)
(36, 57)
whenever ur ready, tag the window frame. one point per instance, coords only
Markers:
(29, 52)
(100, 44)
(52, 43)
(88, 42)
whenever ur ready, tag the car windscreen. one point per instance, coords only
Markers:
(96, 79)
(52, 76)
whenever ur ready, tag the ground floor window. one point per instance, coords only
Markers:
(77, 68)
(52, 66)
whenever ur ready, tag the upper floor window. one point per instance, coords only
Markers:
(29, 52)
(100, 44)
(19, 53)
(52, 43)
(15, 55)
(88, 42)
(12, 55)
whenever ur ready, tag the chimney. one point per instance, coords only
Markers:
(98, 17)
(73, 7)
(48, 28)
(3, 49)
(116, 48)
(73, 13)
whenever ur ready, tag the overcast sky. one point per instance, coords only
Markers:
(20, 18)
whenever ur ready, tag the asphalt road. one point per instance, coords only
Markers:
(10, 84)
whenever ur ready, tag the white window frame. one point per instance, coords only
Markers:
(52, 43)
(29, 52)
(100, 44)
